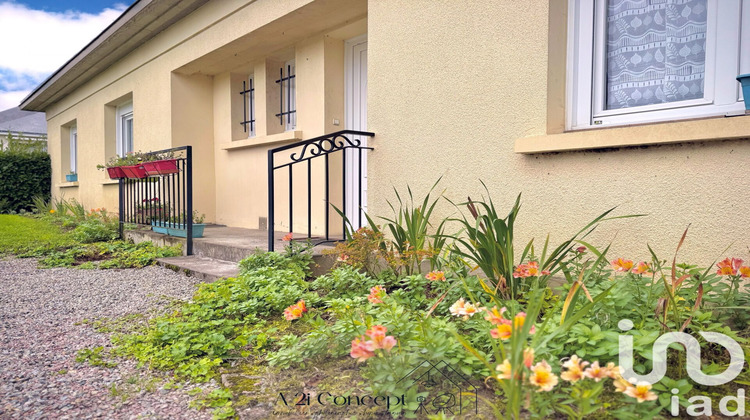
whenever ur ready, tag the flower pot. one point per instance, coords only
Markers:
(115, 172)
(71, 177)
(134, 171)
(744, 80)
(161, 167)
(180, 230)
(159, 226)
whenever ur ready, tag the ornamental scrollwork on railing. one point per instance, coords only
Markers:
(325, 146)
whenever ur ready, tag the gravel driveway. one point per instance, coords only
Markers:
(39, 340)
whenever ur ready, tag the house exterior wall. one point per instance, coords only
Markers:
(184, 85)
(465, 90)
(455, 88)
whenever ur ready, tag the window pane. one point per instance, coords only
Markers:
(656, 51)
(128, 135)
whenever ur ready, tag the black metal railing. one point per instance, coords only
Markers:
(301, 154)
(162, 201)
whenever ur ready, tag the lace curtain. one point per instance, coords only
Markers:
(656, 51)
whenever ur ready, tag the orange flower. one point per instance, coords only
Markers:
(613, 371)
(596, 372)
(435, 276)
(519, 320)
(744, 272)
(622, 265)
(377, 294)
(528, 357)
(642, 268)
(360, 351)
(503, 331)
(505, 370)
(505, 327)
(295, 311)
(495, 316)
(528, 270)
(729, 267)
(343, 258)
(621, 385)
(574, 369)
(641, 392)
(543, 377)
(52, 211)
(362, 348)
(288, 237)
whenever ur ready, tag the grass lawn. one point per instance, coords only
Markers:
(22, 235)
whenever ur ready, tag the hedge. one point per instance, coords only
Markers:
(22, 177)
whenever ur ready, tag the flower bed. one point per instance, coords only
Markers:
(519, 346)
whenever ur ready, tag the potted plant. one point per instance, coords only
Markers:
(71, 177)
(744, 80)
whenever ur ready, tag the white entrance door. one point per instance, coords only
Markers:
(356, 119)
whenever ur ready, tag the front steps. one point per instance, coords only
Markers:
(218, 253)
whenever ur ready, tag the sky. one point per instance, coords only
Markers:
(37, 37)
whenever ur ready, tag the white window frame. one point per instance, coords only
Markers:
(73, 145)
(727, 55)
(124, 114)
(291, 123)
(250, 104)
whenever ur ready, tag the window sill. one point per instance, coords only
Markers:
(704, 129)
(111, 182)
(262, 140)
(68, 184)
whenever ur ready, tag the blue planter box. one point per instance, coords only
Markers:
(177, 229)
(181, 230)
(71, 177)
(159, 226)
(744, 80)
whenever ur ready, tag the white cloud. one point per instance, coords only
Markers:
(35, 43)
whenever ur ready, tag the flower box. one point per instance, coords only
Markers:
(71, 177)
(176, 229)
(180, 230)
(134, 171)
(161, 167)
(159, 226)
(115, 172)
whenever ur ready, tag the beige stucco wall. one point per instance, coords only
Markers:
(455, 89)
(454, 85)
(183, 87)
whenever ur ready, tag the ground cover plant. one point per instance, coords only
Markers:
(62, 233)
(535, 330)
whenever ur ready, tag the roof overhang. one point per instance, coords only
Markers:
(143, 20)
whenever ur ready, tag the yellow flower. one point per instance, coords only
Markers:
(504, 369)
(641, 392)
(52, 211)
(543, 377)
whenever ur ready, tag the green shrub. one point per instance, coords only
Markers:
(24, 176)
(95, 230)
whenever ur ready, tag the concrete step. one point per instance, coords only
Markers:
(206, 269)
